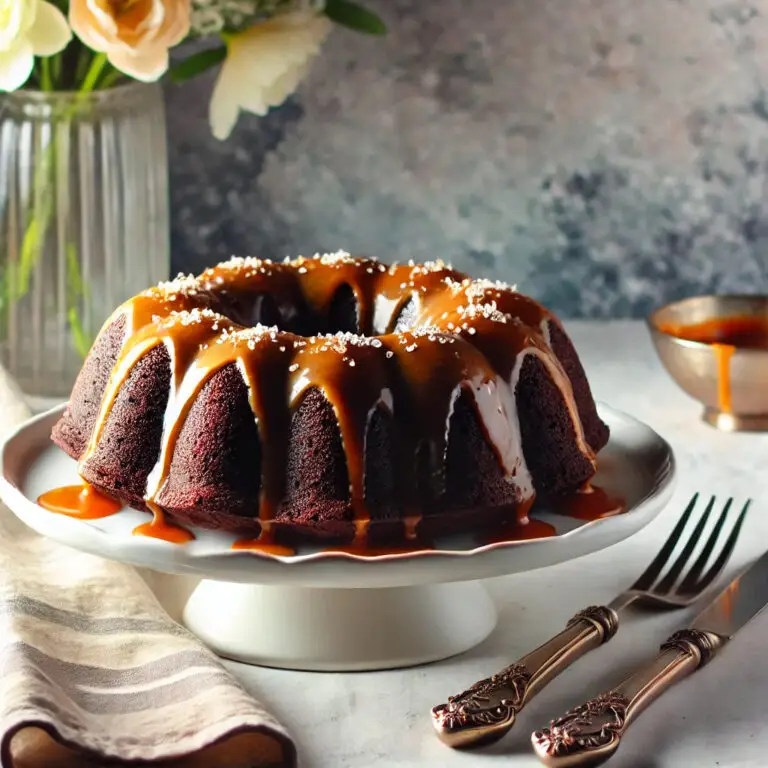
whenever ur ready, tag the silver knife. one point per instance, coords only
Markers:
(590, 733)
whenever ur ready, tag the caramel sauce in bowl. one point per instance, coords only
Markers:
(716, 350)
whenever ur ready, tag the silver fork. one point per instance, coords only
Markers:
(485, 712)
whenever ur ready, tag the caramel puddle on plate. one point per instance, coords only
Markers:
(85, 502)
(590, 503)
(80, 501)
(520, 530)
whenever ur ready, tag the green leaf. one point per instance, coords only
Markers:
(197, 63)
(354, 16)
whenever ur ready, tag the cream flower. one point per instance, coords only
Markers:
(135, 34)
(264, 65)
(28, 28)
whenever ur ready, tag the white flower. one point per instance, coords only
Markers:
(264, 65)
(28, 28)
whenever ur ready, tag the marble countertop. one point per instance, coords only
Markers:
(715, 718)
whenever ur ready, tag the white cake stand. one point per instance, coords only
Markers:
(319, 610)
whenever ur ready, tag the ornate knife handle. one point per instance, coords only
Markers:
(591, 733)
(486, 711)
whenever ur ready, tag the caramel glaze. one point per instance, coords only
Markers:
(743, 331)
(725, 335)
(467, 334)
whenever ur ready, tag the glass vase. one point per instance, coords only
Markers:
(83, 223)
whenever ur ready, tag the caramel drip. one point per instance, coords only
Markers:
(184, 335)
(723, 354)
(470, 335)
(432, 375)
(81, 501)
(355, 379)
(362, 526)
(489, 318)
(160, 528)
(266, 372)
(411, 527)
(180, 333)
(264, 357)
(725, 335)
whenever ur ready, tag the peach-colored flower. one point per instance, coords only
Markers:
(135, 34)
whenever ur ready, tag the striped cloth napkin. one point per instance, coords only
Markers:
(93, 672)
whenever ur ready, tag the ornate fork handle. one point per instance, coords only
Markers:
(590, 733)
(487, 710)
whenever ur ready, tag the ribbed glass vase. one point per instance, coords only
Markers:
(83, 223)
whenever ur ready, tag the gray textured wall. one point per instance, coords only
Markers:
(605, 155)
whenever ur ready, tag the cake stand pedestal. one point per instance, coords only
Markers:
(339, 629)
(337, 611)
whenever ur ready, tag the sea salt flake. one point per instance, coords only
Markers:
(336, 259)
(239, 263)
(186, 285)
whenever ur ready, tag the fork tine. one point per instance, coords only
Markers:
(654, 569)
(689, 583)
(666, 584)
(724, 556)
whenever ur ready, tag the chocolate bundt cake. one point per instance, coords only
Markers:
(332, 398)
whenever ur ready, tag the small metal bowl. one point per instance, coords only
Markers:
(699, 368)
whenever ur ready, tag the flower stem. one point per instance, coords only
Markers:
(110, 78)
(46, 79)
(94, 73)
